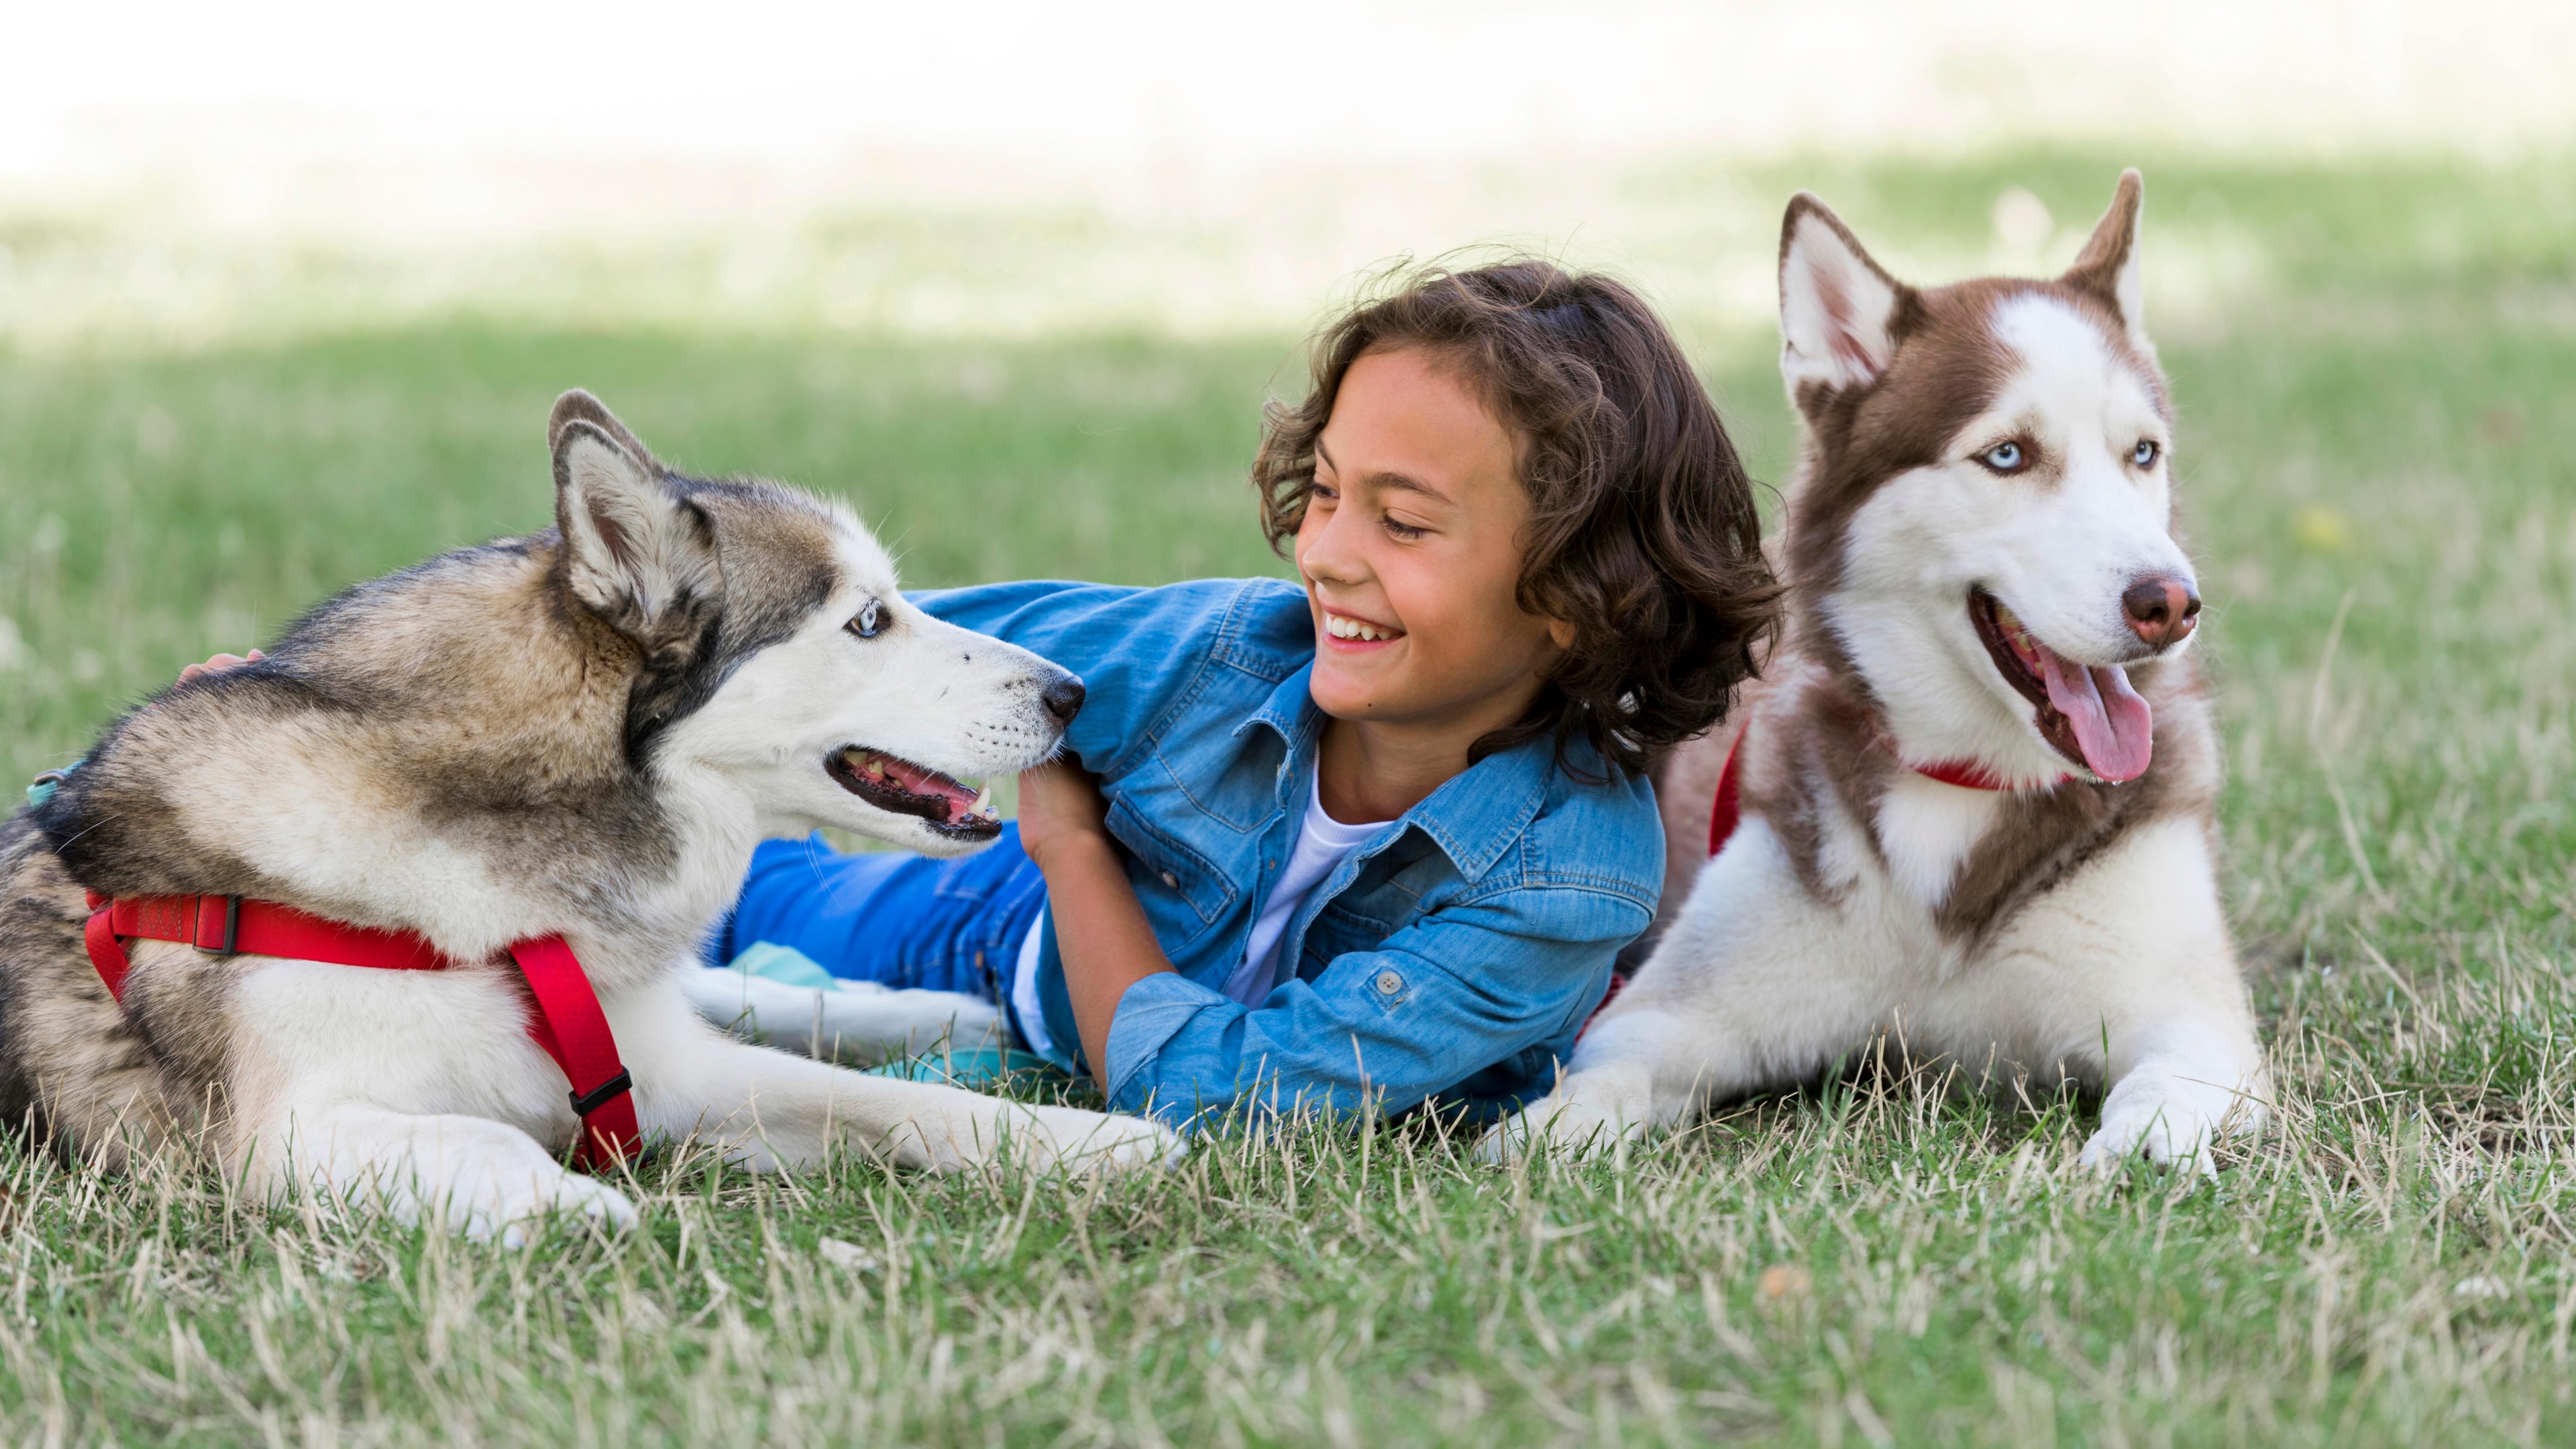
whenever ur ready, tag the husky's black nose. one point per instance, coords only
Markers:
(1063, 698)
(2162, 610)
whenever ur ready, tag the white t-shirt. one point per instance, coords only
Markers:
(1323, 843)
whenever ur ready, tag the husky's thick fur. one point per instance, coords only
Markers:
(1980, 540)
(584, 732)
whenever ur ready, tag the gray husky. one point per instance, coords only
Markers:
(579, 733)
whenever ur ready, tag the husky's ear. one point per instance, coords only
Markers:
(636, 552)
(1837, 307)
(579, 406)
(2108, 266)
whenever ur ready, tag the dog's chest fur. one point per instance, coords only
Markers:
(1944, 867)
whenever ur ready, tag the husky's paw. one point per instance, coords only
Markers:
(1043, 1139)
(2173, 1122)
(1071, 1140)
(517, 1208)
(1575, 1121)
(485, 1180)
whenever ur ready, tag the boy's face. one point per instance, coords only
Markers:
(1410, 551)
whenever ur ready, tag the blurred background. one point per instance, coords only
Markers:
(181, 174)
(286, 289)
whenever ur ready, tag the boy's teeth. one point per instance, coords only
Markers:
(1346, 628)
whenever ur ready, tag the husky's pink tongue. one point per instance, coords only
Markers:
(2113, 727)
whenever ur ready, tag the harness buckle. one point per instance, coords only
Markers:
(232, 926)
(585, 1103)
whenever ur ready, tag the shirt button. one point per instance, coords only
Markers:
(1171, 880)
(1388, 983)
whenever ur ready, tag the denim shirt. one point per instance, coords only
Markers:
(1454, 956)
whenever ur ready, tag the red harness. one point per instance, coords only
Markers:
(1728, 808)
(567, 1023)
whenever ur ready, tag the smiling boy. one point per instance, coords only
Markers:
(1379, 833)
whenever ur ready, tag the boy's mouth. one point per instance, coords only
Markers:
(1351, 631)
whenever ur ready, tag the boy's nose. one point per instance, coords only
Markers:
(1323, 561)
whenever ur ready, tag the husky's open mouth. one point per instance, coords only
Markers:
(2089, 715)
(905, 788)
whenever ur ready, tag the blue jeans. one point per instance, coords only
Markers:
(897, 919)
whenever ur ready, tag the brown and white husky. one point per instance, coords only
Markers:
(580, 734)
(1976, 790)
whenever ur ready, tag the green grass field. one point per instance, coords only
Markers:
(2373, 367)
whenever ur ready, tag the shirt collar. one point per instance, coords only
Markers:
(1474, 817)
(1290, 711)
(1480, 812)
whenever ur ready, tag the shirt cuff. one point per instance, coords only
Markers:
(1153, 1010)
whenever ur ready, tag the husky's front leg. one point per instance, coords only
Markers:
(2127, 970)
(415, 1092)
(475, 1176)
(1757, 983)
(770, 1109)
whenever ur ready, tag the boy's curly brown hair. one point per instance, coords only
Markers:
(1643, 534)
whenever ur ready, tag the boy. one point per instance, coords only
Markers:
(1379, 833)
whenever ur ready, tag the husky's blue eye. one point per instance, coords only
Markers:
(2144, 455)
(868, 620)
(2002, 457)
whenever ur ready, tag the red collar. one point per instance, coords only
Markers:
(1970, 775)
(567, 1024)
(1727, 808)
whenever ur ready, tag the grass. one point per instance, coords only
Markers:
(2370, 369)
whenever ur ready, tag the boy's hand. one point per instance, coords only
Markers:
(1060, 806)
(218, 665)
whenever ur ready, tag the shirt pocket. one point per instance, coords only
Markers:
(1182, 891)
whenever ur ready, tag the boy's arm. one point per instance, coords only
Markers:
(1461, 989)
(1107, 943)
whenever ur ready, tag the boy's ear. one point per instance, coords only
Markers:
(1837, 307)
(637, 552)
(2107, 268)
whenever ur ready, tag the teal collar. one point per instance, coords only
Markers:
(42, 788)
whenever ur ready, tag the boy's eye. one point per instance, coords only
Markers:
(1404, 530)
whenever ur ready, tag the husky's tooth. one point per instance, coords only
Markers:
(876, 767)
(983, 801)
